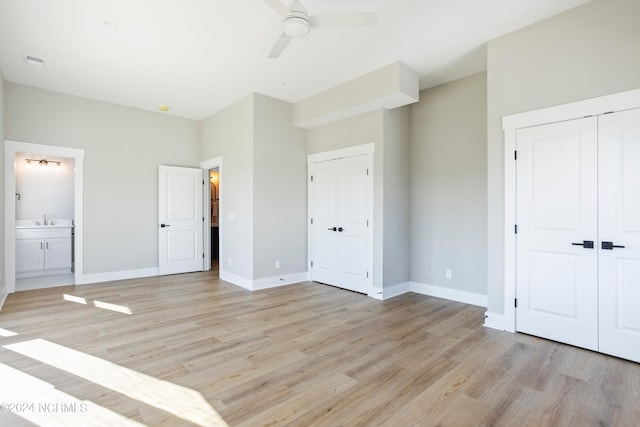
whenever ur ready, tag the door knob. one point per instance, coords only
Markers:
(165, 225)
(340, 229)
(587, 244)
(332, 228)
(609, 246)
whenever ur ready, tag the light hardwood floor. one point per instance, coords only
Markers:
(197, 351)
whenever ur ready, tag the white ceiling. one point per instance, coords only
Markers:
(199, 56)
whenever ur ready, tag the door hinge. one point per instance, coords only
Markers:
(515, 155)
(311, 263)
(311, 178)
(311, 221)
(202, 256)
(367, 274)
(515, 302)
(367, 223)
(515, 229)
(202, 219)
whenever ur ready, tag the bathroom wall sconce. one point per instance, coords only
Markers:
(44, 162)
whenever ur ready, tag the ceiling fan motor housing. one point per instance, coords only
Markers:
(296, 24)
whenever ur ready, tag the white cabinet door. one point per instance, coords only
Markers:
(557, 279)
(619, 210)
(339, 237)
(57, 254)
(180, 214)
(29, 255)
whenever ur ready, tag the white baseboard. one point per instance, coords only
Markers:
(87, 279)
(274, 282)
(448, 293)
(390, 291)
(494, 321)
(3, 298)
(265, 283)
(236, 280)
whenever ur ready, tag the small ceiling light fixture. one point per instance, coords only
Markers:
(34, 60)
(164, 108)
(44, 162)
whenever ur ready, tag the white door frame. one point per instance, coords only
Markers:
(510, 124)
(356, 150)
(215, 163)
(11, 148)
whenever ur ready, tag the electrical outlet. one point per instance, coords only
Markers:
(277, 265)
(448, 274)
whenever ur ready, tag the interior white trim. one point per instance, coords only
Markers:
(11, 148)
(457, 295)
(207, 165)
(392, 291)
(355, 150)
(234, 279)
(494, 321)
(274, 282)
(510, 124)
(88, 279)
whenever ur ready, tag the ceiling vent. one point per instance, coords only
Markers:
(33, 60)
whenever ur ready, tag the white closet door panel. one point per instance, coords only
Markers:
(352, 218)
(556, 207)
(619, 209)
(339, 240)
(325, 217)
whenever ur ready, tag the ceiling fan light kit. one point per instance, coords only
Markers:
(296, 23)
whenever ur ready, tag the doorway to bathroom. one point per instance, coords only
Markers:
(213, 213)
(43, 216)
(214, 223)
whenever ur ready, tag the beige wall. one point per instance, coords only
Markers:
(448, 185)
(588, 51)
(229, 134)
(123, 149)
(279, 190)
(396, 196)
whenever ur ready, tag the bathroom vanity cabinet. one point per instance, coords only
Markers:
(43, 251)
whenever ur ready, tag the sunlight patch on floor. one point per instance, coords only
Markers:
(72, 298)
(39, 402)
(180, 401)
(113, 307)
(7, 333)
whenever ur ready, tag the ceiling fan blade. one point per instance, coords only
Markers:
(280, 45)
(349, 19)
(279, 7)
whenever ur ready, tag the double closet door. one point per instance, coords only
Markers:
(578, 232)
(340, 245)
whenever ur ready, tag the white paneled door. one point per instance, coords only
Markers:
(557, 272)
(340, 243)
(180, 213)
(578, 232)
(619, 211)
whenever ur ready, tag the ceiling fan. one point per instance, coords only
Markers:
(296, 23)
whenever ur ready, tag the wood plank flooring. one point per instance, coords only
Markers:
(193, 350)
